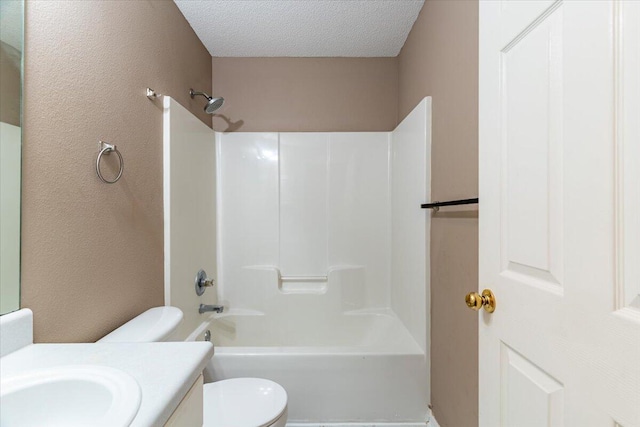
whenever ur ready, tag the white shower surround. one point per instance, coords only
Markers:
(189, 196)
(323, 268)
(324, 276)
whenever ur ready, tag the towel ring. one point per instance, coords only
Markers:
(107, 149)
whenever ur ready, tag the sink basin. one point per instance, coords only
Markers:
(69, 396)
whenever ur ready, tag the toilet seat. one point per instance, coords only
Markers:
(243, 402)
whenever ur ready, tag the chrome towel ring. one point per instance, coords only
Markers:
(107, 148)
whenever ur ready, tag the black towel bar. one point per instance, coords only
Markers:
(436, 205)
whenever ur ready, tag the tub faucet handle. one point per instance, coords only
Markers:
(202, 282)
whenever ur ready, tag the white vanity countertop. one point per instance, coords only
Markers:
(165, 371)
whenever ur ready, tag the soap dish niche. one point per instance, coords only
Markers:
(303, 284)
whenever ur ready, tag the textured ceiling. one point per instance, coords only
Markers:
(301, 27)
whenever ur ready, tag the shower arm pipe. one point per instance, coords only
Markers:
(195, 93)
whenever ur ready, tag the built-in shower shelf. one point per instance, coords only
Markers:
(303, 278)
(303, 284)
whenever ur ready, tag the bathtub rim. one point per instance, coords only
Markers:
(411, 347)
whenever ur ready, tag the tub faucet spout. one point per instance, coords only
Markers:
(215, 308)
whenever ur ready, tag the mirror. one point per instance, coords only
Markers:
(11, 37)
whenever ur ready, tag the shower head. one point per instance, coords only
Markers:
(213, 104)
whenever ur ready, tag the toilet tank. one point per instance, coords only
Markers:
(154, 325)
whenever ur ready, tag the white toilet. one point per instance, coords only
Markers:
(238, 402)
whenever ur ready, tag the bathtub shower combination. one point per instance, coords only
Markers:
(321, 251)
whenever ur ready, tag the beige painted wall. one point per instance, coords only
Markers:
(440, 58)
(307, 94)
(92, 254)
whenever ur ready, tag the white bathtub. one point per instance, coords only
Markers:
(362, 367)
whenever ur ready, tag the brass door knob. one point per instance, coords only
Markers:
(475, 301)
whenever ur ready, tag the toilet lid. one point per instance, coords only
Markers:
(243, 402)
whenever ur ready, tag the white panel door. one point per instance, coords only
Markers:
(559, 213)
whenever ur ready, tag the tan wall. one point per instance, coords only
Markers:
(307, 94)
(440, 58)
(10, 84)
(92, 254)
